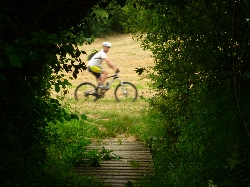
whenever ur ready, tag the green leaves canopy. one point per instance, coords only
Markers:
(201, 70)
(38, 40)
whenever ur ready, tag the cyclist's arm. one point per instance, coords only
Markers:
(110, 64)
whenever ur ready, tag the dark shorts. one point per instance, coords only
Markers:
(95, 70)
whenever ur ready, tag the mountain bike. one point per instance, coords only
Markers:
(124, 91)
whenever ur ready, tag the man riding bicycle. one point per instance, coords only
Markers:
(95, 65)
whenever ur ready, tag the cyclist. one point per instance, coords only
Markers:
(95, 65)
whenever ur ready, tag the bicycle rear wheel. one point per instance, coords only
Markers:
(85, 91)
(126, 92)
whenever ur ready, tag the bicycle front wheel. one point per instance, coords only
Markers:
(126, 92)
(85, 91)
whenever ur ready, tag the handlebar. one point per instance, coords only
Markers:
(114, 75)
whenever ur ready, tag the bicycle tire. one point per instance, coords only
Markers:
(126, 92)
(85, 91)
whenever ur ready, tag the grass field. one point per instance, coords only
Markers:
(116, 119)
(125, 53)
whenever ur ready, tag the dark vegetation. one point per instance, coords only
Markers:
(35, 37)
(201, 51)
(201, 133)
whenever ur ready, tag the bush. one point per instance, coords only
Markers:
(106, 21)
(201, 79)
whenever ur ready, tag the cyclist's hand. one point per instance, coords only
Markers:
(117, 70)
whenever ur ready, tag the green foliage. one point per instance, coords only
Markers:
(201, 78)
(38, 42)
(96, 156)
(69, 141)
(105, 21)
(57, 174)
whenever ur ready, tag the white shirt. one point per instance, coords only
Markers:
(97, 59)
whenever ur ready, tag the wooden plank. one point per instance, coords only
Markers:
(117, 168)
(112, 173)
(121, 147)
(115, 164)
(136, 161)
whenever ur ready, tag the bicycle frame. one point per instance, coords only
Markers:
(110, 81)
(108, 84)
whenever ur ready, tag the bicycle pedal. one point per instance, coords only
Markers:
(103, 87)
(96, 94)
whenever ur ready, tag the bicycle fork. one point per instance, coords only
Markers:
(124, 90)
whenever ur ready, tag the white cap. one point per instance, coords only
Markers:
(106, 44)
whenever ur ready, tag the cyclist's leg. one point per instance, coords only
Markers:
(96, 71)
(104, 75)
(100, 75)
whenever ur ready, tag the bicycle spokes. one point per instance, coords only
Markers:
(85, 92)
(126, 92)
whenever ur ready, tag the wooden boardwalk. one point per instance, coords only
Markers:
(135, 162)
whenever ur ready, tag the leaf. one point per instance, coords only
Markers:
(2, 77)
(83, 52)
(129, 184)
(139, 70)
(15, 60)
(57, 87)
(201, 150)
(84, 142)
(134, 164)
(77, 53)
(74, 116)
(84, 117)
(74, 74)
(247, 74)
